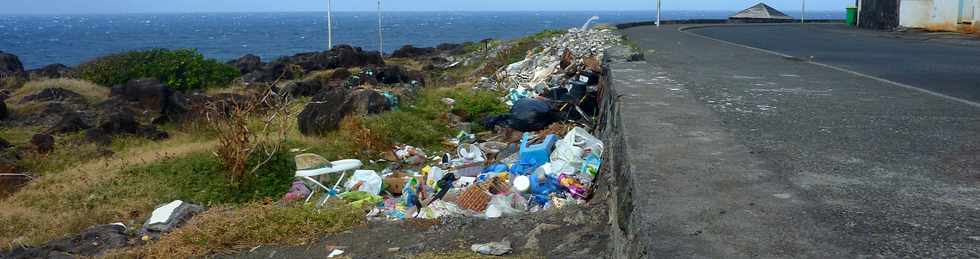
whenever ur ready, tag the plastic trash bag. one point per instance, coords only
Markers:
(298, 191)
(369, 179)
(471, 154)
(440, 208)
(502, 205)
(530, 114)
(577, 145)
(361, 199)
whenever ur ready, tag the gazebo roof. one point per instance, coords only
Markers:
(761, 11)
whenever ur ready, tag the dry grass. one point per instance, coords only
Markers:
(228, 229)
(406, 63)
(87, 194)
(92, 92)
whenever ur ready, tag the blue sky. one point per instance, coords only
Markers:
(170, 6)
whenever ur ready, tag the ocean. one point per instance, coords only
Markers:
(71, 39)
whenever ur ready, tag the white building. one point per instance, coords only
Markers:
(941, 15)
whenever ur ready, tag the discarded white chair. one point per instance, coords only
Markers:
(309, 166)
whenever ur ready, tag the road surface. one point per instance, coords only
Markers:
(742, 153)
(949, 69)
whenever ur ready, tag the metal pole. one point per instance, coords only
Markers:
(803, 13)
(381, 40)
(329, 26)
(658, 13)
(858, 22)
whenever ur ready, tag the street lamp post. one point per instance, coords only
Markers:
(381, 40)
(329, 26)
(803, 13)
(658, 13)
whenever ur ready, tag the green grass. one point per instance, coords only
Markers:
(200, 178)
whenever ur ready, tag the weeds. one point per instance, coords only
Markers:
(238, 143)
(228, 229)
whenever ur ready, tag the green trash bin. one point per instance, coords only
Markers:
(852, 13)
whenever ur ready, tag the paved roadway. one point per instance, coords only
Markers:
(937, 66)
(741, 153)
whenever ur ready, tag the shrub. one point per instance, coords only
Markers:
(183, 69)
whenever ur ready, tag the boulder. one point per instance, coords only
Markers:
(10, 64)
(340, 56)
(43, 143)
(394, 74)
(70, 122)
(272, 71)
(324, 112)
(53, 94)
(409, 51)
(168, 217)
(340, 74)
(246, 64)
(150, 95)
(50, 71)
(92, 242)
(364, 102)
(3, 110)
(122, 122)
(329, 107)
(302, 87)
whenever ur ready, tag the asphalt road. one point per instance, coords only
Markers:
(937, 66)
(741, 153)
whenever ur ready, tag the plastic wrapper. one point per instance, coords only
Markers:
(366, 181)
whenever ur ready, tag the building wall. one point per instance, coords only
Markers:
(938, 15)
(915, 13)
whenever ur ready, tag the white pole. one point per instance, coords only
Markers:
(857, 23)
(329, 26)
(658, 13)
(381, 39)
(803, 13)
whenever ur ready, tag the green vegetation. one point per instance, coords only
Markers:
(200, 178)
(183, 69)
(423, 122)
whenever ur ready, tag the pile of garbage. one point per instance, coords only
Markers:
(552, 168)
(560, 70)
(540, 156)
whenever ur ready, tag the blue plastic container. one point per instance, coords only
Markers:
(537, 155)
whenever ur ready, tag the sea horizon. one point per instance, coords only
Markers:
(70, 39)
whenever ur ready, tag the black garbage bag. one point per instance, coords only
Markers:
(532, 115)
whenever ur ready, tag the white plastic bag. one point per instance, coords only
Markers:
(501, 205)
(371, 181)
(575, 146)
